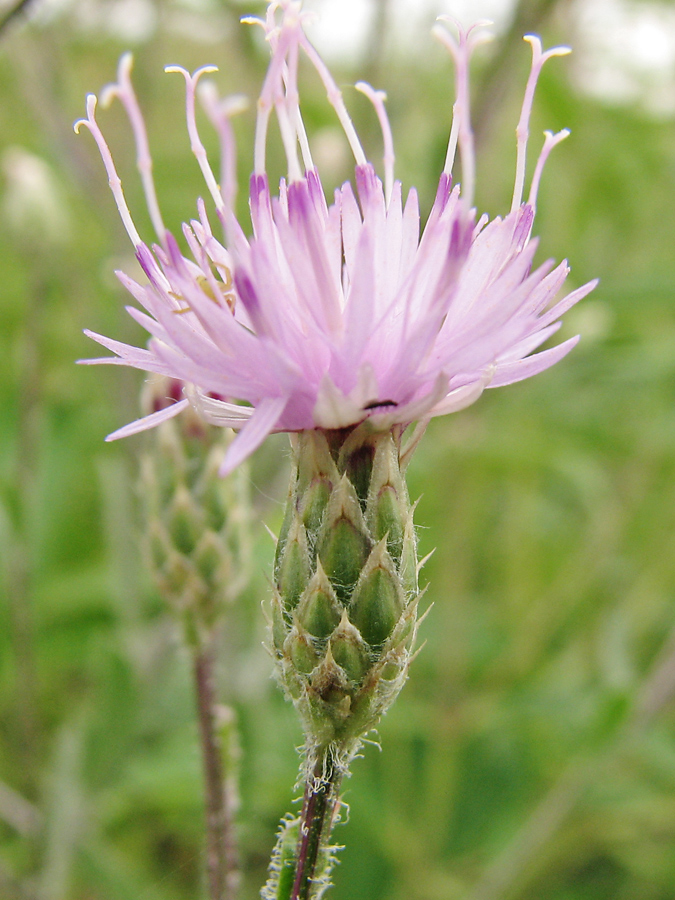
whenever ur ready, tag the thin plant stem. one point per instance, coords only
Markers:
(221, 849)
(316, 819)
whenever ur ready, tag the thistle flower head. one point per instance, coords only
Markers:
(330, 314)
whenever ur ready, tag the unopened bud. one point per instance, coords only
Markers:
(344, 610)
(197, 522)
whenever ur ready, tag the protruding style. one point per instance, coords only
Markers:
(331, 315)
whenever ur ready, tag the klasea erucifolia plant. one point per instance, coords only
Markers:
(341, 323)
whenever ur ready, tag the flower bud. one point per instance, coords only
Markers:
(344, 611)
(196, 522)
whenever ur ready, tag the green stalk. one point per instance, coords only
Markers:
(221, 850)
(344, 620)
(316, 821)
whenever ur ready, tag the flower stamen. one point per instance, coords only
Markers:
(377, 98)
(220, 113)
(550, 141)
(336, 101)
(460, 131)
(523, 127)
(337, 304)
(124, 91)
(114, 180)
(198, 149)
(207, 285)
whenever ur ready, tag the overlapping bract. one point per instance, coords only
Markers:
(346, 592)
(196, 524)
(331, 314)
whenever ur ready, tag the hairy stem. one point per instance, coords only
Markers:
(321, 796)
(221, 850)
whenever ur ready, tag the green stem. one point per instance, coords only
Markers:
(315, 824)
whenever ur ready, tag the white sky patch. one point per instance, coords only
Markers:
(47, 11)
(191, 24)
(344, 26)
(134, 21)
(466, 11)
(625, 52)
(130, 21)
(341, 28)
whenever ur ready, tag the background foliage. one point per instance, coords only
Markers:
(532, 753)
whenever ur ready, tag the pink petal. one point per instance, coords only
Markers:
(509, 373)
(150, 421)
(260, 425)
